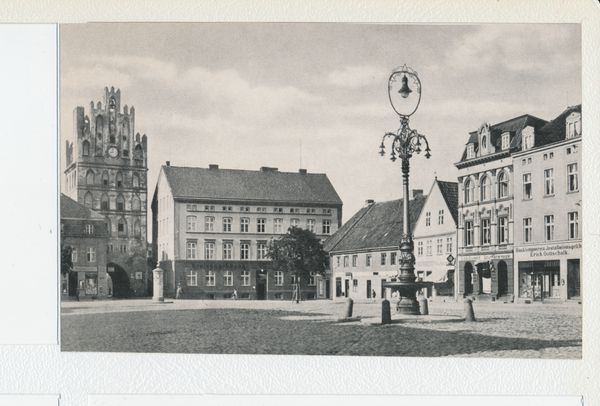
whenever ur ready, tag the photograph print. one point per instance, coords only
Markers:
(321, 189)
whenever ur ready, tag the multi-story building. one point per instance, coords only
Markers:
(106, 166)
(83, 230)
(547, 210)
(486, 186)
(211, 228)
(435, 239)
(365, 251)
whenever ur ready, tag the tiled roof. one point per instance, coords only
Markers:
(377, 225)
(268, 185)
(69, 208)
(450, 192)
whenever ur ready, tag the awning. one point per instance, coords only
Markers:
(436, 276)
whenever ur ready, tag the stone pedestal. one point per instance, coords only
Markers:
(158, 287)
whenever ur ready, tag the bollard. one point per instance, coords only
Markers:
(386, 313)
(348, 309)
(423, 306)
(469, 315)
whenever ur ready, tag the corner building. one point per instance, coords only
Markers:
(211, 227)
(486, 231)
(548, 211)
(106, 170)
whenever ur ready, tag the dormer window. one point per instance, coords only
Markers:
(528, 140)
(574, 125)
(484, 142)
(470, 151)
(505, 141)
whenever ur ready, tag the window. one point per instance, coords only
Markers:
(354, 285)
(440, 246)
(137, 229)
(192, 277)
(123, 248)
(293, 279)
(527, 230)
(502, 230)
(383, 258)
(227, 250)
(346, 261)
(209, 224)
(135, 203)
(527, 186)
(441, 217)
(429, 242)
(228, 278)
(90, 255)
(209, 208)
(278, 278)
(245, 278)
(277, 209)
(527, 141)
(135, 180)
(368, 259)
(278, 226)
(354, 260)
(310, 225)
(86, 148)
(420, 248)
(260, 225)
(227, 224)
(545, 157)
(120, 203)
(73, 254)
(449, 245)
(485, 231)
(503, 185)
(119, 179)
(337, 261)
(105, 178)
(573, 184)
(122, 227)
(89, 229)
(393, 258)
(244, 209)
(568, 151)
(88, 200)
(105, 205)
(191, 223)
(549, 222)
(428, 219)
(261, 250)
(468, 233)
(470, 151)
(210, 278)
(89, 178)
(573, 225)
(486, 188)
(326, 226)
(549, 182)
(227, 208)
(312, 280)
(505, 141)
(294, 223)
(551, 155)
(484, 142)
(209, 250)
(469, 191)
(244, 225)
(191, 250)
(244, 251)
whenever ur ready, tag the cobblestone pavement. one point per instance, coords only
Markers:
(314, 328)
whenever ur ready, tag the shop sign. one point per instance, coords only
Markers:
(549, 250)
(85, 269)
(485, 258)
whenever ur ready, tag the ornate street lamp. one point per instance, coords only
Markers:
(404, 90)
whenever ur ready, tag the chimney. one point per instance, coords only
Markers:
(213, 166)
(416, 192)
(302, 171)
(168, 163)
(268, 169)
(369, 202)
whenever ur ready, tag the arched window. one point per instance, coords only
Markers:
(484, 142)
(138, 152)
(122, 227)
(120, 203)
(104, 178)
(486, 188)
(107, 225)
(119, 179)
(503, 185)
(135, 203)
(135, 180)
(137, 229)
(88, 200)
(89, 177)
(99, 126)
(105, 205)
(86, 148)
(469, 189)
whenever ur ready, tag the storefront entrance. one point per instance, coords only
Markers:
(539, 280)
(573, 279)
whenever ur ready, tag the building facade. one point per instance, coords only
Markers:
(106, 170)
(435, 240)
(365, 251)
(548, 211)
(83, 230)
(486, 208)
(211, 228)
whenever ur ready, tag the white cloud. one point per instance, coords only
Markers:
(356, 76)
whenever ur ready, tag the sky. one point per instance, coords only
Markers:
(314, 95)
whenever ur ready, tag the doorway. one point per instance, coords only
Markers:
(368, 289)
(261, 287)
(502, 278)
(347, 287)
(327, 288)
(468, 278)
(573, 279)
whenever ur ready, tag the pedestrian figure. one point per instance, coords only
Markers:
(179, 290)
(234, 295)
(373, 293)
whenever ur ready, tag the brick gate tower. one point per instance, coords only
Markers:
(106, 170)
